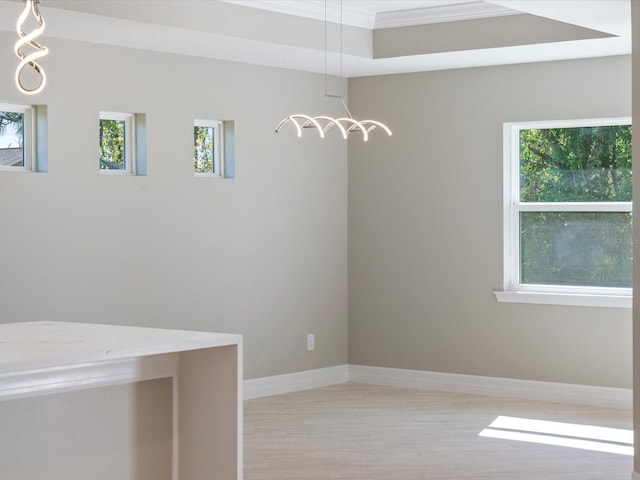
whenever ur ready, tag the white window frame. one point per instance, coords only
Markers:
(218, 147)
(516, 292)
(129, 120)
(29, 136)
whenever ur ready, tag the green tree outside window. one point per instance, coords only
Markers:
(112, 145)
(585, 164)
(203, 150)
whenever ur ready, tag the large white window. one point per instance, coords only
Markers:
(567, 213)
(16, 137)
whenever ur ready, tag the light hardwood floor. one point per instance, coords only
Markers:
(364, 432)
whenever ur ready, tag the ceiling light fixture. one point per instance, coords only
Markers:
(31, 6)
(323, 123)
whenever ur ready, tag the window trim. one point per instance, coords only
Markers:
(218, 141)
(129, 120)
(29, 137)
(516, 292)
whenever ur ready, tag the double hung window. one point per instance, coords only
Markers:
(568, 227)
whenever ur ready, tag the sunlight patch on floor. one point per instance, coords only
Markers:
(586, 437)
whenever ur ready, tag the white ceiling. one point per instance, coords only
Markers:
(289, 33)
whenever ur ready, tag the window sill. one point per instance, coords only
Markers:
(121, 173)
(582, 300)
(208, 175)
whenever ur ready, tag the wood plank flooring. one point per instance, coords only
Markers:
(364, 432)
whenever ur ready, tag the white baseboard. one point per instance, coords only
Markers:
(293, 382)
(447, 382)
(494, 386)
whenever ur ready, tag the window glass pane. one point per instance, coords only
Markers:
(112, 144)
(576, 248)
(204, 149)
(583, 164)
(11, 139)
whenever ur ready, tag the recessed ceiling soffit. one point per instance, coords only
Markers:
(497, 32)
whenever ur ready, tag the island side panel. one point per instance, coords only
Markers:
(209, 413)
(118, 432)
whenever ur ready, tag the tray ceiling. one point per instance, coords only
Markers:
(363, 37)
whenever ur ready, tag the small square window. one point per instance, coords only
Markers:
(117, 143)
(16, 137)
(208, 136)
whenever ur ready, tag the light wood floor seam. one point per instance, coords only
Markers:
(366, 432)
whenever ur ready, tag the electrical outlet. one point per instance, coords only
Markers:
(311, 342)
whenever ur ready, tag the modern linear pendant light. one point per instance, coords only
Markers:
(31, 6)
(323, 123)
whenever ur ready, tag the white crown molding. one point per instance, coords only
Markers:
(314, 9)
(441, 14)
(390, 19)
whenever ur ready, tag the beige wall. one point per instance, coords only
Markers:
(425, 226)
(264, 254)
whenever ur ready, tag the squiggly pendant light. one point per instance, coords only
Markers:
(301, 121)
(323, 123)
(31, 6)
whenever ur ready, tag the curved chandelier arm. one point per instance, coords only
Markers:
(31, 6)
(375, 124)
(312, 122)
(284, 121)
(309, 121)
(330, 123)
(355, 125)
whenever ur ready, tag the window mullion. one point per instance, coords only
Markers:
(575, 206)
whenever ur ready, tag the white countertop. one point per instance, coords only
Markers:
(36, 345)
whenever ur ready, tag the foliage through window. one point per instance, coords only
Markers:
(116, 150)
(14, 136)
(208, 148)
(568, 211)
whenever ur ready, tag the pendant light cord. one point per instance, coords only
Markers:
(325, 48)
(341, 27)
(323, 123)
